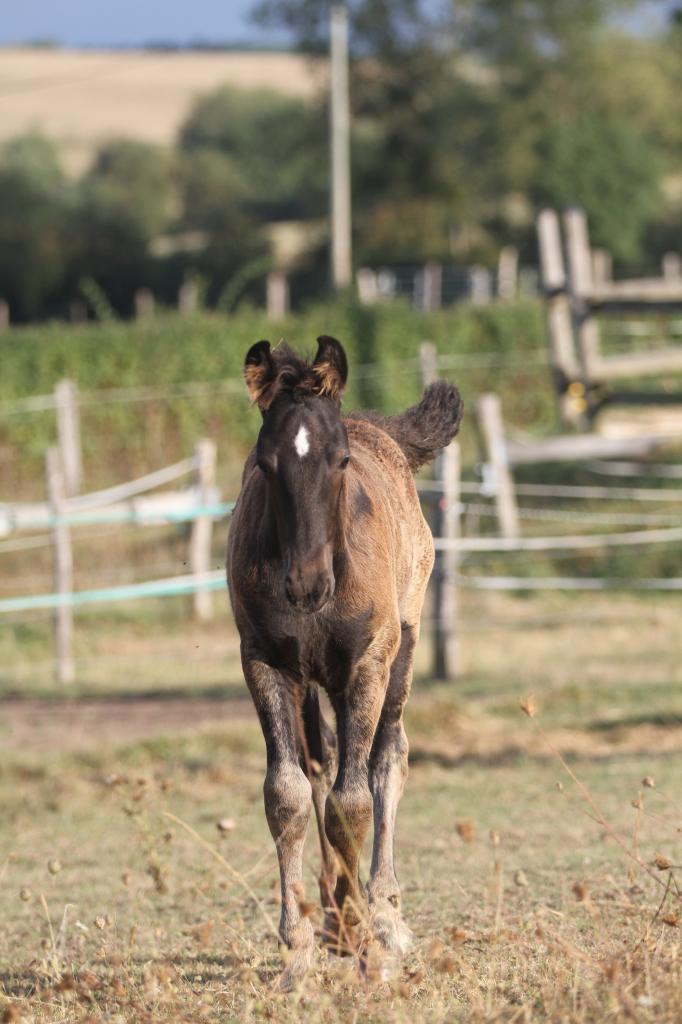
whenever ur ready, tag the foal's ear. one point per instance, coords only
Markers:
(259, 373)
(331, 367)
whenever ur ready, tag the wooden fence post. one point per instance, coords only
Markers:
(671, 266)
(507, 272)
(144, 303)
(602, 266)
(201, 533)
(432, 287)
(445, 633)
(69, 435)
(491, 425)
(63, 569)
(480, 285)
(552, 270)
(4, 315)
(188, 298)
(428, 362)
(276, 295)
(585, 327)
(558, 311)
(366, 284)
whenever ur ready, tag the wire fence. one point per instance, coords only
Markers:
(36, 404)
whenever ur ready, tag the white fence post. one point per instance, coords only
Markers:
(480, 285)
(69, 435)
(428, 362)
(63, 569)
(508, 272)
(276, 295)
(366, 284)
(432, 287)
(602, 266)
(201, 533)
(188, 298)
(489, 416)
(144, 303)
(446, 639)
(671, 266)
(585, 328)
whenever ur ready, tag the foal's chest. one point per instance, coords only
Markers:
(316, 648)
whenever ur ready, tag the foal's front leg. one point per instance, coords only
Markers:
(288, 801)
(321, 744)
(388, 772)
(349, 804)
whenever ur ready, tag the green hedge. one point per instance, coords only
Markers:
(120, 438)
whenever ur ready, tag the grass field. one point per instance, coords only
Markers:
(120, 899)
(83, 98)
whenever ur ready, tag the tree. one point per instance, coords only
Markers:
(455, 106)
(212, 197)
(35, 205)
(124, 202)
(274, 147)
(605, 165)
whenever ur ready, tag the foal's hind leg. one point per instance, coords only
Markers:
(320, 764)
(388, 772)
(287, 794)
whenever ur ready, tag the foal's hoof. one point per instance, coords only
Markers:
(342, 934)
(389, 929)
(299, 957)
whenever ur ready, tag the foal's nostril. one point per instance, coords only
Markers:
(289, 590)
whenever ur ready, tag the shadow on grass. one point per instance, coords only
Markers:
(661, 719)
(514, 755)
(216, 691)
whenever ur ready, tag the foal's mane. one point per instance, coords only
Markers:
(291, 374)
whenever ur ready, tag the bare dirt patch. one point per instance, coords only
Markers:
(64, 725)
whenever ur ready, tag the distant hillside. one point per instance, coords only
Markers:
(80, 98)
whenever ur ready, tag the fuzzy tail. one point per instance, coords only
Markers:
(423, 429)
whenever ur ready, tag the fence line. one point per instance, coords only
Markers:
(612, 468)
(26, 543)
(171, 508)
(565, 491)
(555, 515)
(171, 587)
(600, 493)
(119, 492)
(577, 542)
(105, 396)
(197, 389)
(568, 583)
(186, 585)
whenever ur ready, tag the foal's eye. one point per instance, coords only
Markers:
(344, 462)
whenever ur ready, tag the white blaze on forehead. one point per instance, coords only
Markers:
(301, 442)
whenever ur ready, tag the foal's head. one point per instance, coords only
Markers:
(302, 452)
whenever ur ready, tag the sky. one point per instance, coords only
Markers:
(131, 22)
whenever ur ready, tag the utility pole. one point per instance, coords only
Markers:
(340, 149)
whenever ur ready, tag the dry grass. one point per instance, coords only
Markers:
(81, 99)
(529, 900)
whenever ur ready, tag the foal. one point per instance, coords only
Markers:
(328, 561)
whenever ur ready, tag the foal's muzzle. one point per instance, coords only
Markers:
(308, 588)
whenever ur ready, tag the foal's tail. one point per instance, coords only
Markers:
(423, 429)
